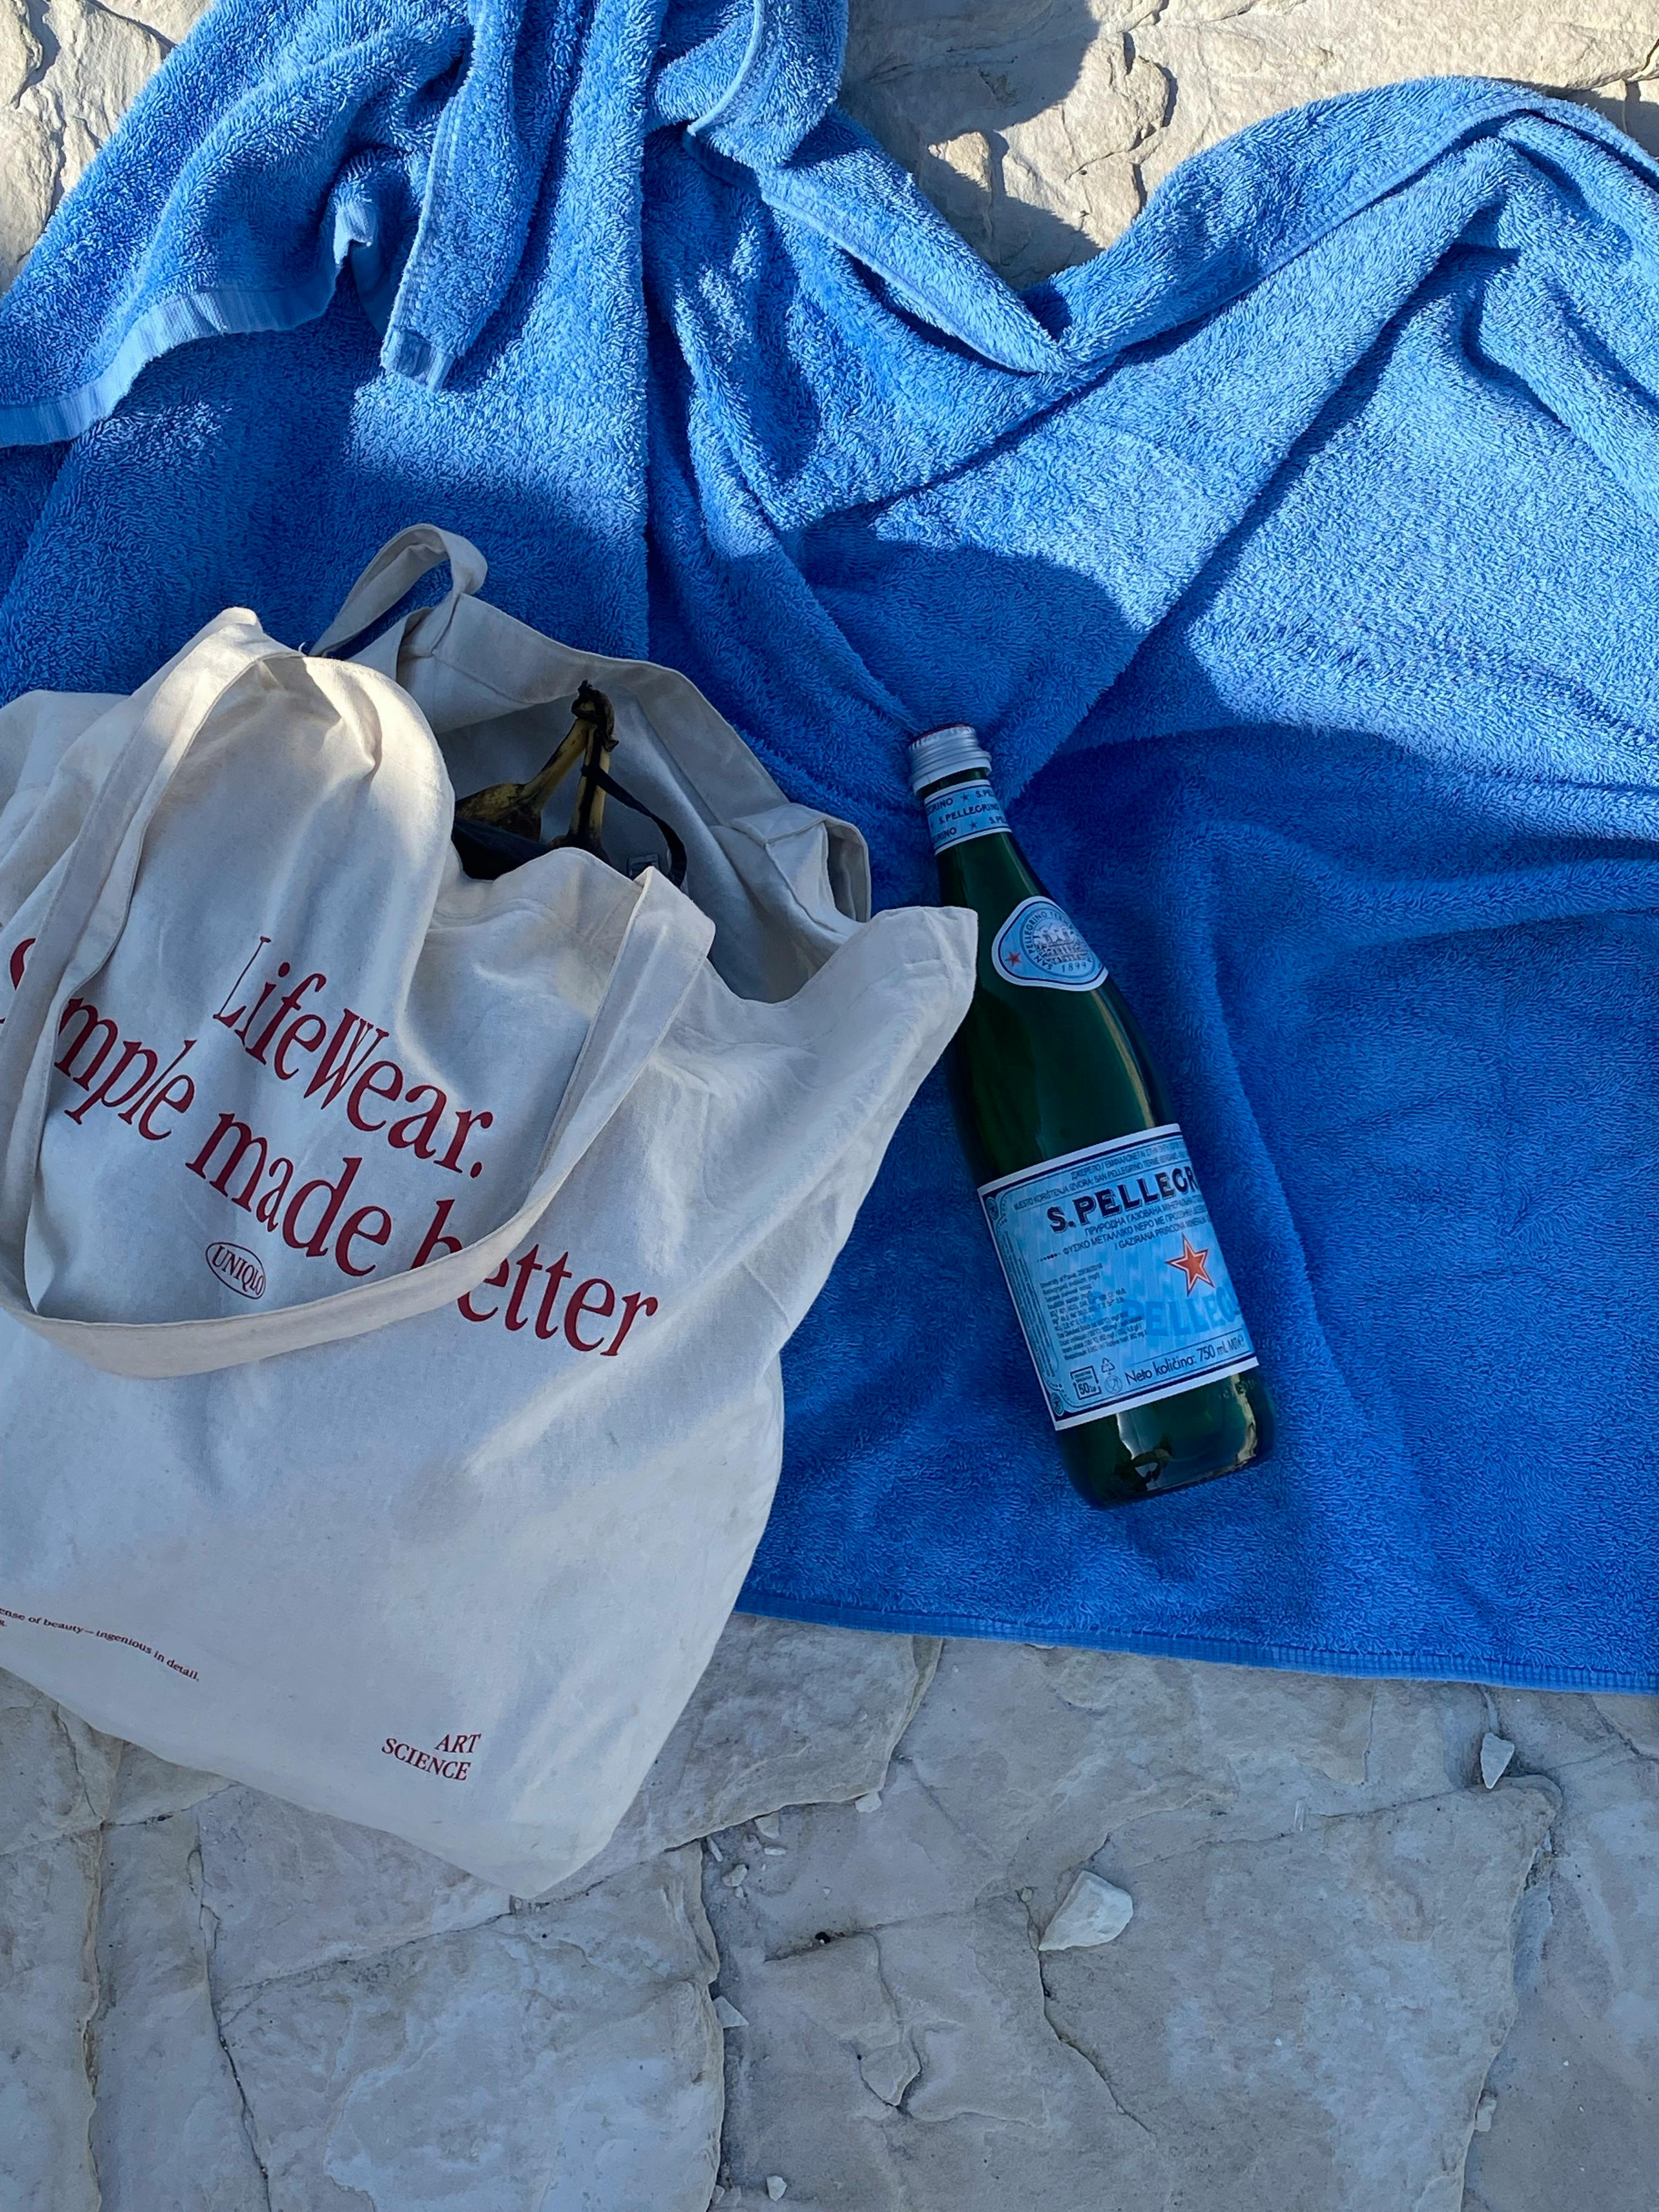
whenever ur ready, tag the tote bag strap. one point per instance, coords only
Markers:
(661, 954)
(397, 567)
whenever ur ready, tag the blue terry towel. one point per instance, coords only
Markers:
(1299, 559)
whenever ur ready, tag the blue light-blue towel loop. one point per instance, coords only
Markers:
(1297, 559)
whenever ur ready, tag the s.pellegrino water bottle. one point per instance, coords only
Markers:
(1097, 1216)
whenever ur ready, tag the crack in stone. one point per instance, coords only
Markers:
(41, 102)
(99, 1997)
(134, 23)
(1635, 1749)
(245, 2109)
(927, 1652)
(37, 20)
(716, 2187)
(1540, 1873)
(1259, 1840)
(519, 1909)
(906, 2040)
(1087, 2057)
(821, 1942)
(243, 1993)
(974, 1842)
(1097, 2070)
(92, 1819)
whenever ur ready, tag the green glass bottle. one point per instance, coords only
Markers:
(1103, 1234)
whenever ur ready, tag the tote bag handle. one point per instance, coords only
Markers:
(661, 954)
(397, 567)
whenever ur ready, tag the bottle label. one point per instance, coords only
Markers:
(1116, 1276)
(1041, 944)
(962, 810)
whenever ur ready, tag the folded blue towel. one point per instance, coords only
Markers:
(1296, 558)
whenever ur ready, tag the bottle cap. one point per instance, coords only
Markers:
(949, 751)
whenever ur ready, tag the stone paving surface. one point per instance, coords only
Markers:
(1355, 1978)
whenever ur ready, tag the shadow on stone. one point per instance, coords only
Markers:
(972, 101)
(1626, 106)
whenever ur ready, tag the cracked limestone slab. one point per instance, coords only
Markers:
(1576, 2119)
(69, 70)
(147, 1787)
(1312, 2020)
(167, 2128)
(57, 1774)
(1306, 1853)
(1038, 1753)
(56, 1777)
(563, 2056)
(910, 2068)
(48, 1990)
(286, 1890)
(1230, 65)
(1634, 1719)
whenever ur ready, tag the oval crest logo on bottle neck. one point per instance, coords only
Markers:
(1040, 943)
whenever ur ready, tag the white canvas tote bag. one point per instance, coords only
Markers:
(393, 1266)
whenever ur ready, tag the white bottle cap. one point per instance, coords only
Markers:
(949, 751)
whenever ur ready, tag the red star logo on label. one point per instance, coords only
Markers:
(1195, 1266)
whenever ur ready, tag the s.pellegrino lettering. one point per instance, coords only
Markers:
(1098, 1218)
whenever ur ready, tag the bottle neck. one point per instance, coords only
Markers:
(961, 808)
